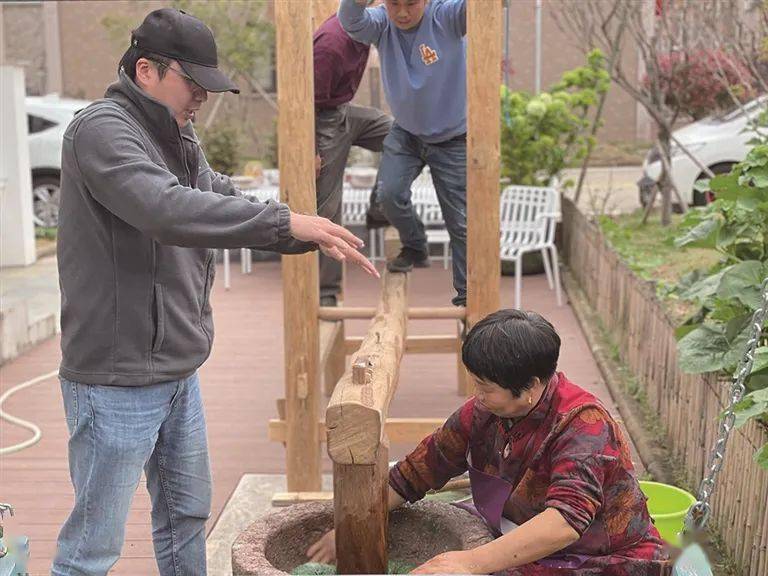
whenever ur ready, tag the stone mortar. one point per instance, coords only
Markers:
(276, 543)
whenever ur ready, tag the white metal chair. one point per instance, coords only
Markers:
(354, 206)
(529, 217)
(270, 191)
(353, 209)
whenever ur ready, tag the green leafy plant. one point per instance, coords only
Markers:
(736, 225)
(541, 134)
(222, 146)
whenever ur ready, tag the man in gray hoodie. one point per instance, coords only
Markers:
(141, 211)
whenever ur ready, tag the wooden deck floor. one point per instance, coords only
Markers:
(241, 382)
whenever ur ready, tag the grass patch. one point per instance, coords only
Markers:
(616, 154)
(649, 251)
(45, 233)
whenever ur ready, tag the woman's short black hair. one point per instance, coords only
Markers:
(133, 54)
(510, 348)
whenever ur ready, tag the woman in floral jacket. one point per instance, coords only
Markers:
(549, 468)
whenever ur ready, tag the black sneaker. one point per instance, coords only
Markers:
(408, 259)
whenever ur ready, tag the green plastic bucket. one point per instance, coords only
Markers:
(668, 506)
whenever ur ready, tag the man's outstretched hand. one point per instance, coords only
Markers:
(335, 241)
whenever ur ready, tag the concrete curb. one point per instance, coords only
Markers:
(19, 332)
(653, 455)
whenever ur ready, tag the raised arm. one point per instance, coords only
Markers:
(362, 24)
(453, 15)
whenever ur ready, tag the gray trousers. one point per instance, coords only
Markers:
(336, 131)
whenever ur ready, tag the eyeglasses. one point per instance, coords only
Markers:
(191, 84)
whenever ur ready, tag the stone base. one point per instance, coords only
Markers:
(277, 543)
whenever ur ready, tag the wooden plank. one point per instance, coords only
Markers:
(484, 34)
(424, 344)
(357, 411)
(334, 313)
(333, 354)
(431, 344)
(398, 430)
(361, 514)
(280, 499)
(411, 430)
(296, 133)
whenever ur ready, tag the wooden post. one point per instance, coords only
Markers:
(321, 10)
(465, 387)
(355, 423)
(296, 129)
(361, 515)
(484, 36)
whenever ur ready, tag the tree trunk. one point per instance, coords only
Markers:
(665, 181)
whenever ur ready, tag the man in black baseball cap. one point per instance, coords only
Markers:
(181, 37)
(140, 213)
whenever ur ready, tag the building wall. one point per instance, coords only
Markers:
(559, 53)
(89, 54)
(22, 34)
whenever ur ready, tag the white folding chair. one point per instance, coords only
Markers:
(528, 220)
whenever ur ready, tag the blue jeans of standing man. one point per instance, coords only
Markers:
(115, 433)
(403, 159)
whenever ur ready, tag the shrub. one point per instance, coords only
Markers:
(222, 145)
(698, 83)
(541, 134)
(735, 224)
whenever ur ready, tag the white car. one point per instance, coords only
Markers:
(47, 119)
(718, 142)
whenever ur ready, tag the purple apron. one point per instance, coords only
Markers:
(489, 494)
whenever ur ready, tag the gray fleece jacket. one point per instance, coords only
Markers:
(140, 213)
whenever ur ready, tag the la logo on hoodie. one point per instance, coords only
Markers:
(428, 55)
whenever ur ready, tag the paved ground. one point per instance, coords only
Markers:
(241, 382)
(609, 190)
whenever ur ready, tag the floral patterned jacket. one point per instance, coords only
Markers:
(569, 454)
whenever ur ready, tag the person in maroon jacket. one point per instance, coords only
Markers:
(339, 64)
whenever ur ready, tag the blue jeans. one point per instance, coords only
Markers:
(115, 433)
(405, 155)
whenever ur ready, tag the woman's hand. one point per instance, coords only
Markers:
(335, 241)
(459, 562)
(324, 550)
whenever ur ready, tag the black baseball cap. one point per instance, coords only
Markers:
(175, 34)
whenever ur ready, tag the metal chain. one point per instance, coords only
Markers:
(698, 514)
